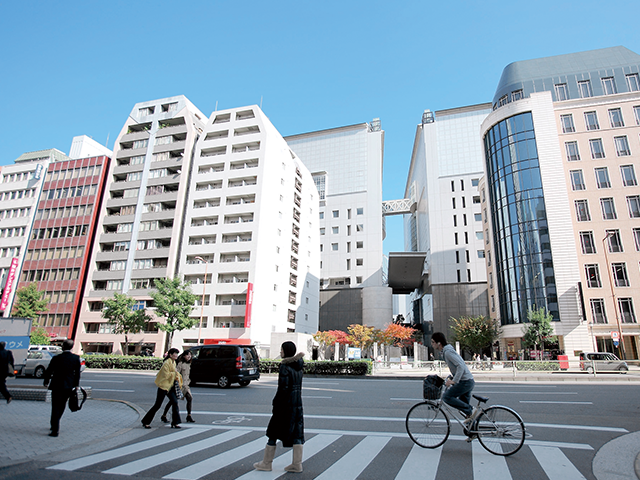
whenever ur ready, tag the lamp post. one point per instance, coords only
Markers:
(613, 295)
(204, 286)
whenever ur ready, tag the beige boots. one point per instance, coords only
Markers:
(265, 464)
(296, 466)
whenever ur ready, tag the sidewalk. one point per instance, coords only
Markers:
(100, 423)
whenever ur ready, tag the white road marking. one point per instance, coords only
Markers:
(352, 464)
(418, 458)
(111, 390)
(487, 466)
(555, 464)
(554, 402)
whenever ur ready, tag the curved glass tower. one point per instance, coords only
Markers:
(524, 266)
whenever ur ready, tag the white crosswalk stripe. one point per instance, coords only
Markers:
(419, 462)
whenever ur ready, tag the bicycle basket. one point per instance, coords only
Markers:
(432, 386)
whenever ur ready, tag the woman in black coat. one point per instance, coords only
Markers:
(287, 421)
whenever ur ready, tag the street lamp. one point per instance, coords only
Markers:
(204, 286)
(613, 295)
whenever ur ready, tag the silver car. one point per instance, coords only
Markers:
(603, 362)
(38, 361)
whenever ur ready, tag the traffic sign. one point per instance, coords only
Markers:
(614, 335)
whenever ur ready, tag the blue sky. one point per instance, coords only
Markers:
(70, 68)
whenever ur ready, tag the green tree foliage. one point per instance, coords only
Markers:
(475, 333)
(39, 336)
(119, 312)
(30, 302)
(538, 329)
(174, 301)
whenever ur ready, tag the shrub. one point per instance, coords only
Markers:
(537, 366)
(125, 362)
(323, 367)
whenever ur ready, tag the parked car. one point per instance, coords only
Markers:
(38, 361)
(48, 348)
(603, 362)
(224, 365)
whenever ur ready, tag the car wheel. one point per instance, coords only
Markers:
(39, 372)
(623, 369)
(589, 370)
(244, 383)
(223, 382)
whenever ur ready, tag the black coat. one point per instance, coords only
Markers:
(6, 358)
(64, 371)
(287, 422)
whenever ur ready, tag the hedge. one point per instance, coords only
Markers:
(537, 366)
(326, 367)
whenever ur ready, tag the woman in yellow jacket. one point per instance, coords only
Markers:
(165, 382)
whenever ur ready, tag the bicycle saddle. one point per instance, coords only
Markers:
(481, 399)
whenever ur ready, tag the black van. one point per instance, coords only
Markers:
(224, 364)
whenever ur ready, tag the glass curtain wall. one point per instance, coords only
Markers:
(524, 265)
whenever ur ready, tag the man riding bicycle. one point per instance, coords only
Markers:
(461, 381)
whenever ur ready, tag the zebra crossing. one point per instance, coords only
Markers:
(228, 452)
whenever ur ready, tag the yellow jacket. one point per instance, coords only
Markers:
(167, 375)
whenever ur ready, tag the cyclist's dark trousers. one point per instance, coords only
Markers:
(459, 396)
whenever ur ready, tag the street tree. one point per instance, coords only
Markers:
(39, 336)
(30, 302)
(538, 329)
(475, 333)
(328, 339)
(361, 336)
(400, 336)
(120, 313)
(174, 301)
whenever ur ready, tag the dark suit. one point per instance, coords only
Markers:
(62, 376)
(6, 358)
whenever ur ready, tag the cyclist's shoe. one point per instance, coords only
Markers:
(472, 437)
(471, 418)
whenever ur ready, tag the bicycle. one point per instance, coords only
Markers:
(499, 429)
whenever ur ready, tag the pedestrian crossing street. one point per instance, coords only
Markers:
(228, 452)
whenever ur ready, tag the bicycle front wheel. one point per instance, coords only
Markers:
(500, 430)
(427, 425)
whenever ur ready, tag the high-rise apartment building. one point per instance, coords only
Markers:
(63, 231)
(346, 164)
(561, 192)
(141, 220)
(250, 237)
(20, 188)
(446, 222)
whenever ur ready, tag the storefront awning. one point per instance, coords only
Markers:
(405, 271)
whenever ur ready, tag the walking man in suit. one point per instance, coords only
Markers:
(6, 359)
(64, 374)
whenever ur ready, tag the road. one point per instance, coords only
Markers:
(355, 429)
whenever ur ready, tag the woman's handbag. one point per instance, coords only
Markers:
(178, 389)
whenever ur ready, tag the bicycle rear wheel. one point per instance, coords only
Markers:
(500, 430)
(427, 425)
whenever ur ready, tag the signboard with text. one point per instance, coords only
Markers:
(9, 285)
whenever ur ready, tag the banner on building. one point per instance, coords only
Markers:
(247, 310)
(9, 284)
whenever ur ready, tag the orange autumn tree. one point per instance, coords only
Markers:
(328, 338)
(399, 335)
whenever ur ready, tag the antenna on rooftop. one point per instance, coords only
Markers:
(260, 102)
(107, 144)
(216, 106)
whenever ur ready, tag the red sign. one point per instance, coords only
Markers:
(9, 285)
(247, 310)
(614, 335)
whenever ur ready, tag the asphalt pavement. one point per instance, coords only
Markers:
(103, 424)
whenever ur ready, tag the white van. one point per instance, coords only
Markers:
(48, 348)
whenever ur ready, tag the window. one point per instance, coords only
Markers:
(335, 230)
(608, 209)
(360, 227)
(321, 215)
(567, 123)
(360, 211)
(480, 254)
(622, 146)
(615, 243)
(588, 245)
(628, 176)
(584, 87)
(591, 120)
(359, 262)
(625, 305)
(615, 117)
(593, 276)
(479, 236)
(597, 149)
(597, 310)
(502, 101)
(562, 93)
(577, 180)
(517, 95)
(477, 217)
(633, 202)
(608, 85)
(360, 244)
(620, 277)
(632, 82)
(572, 151)
(636, 238)
(322, 231)
(602, 177)
(636, 111)
(334, 247)
(335, 213)
(582, 210)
